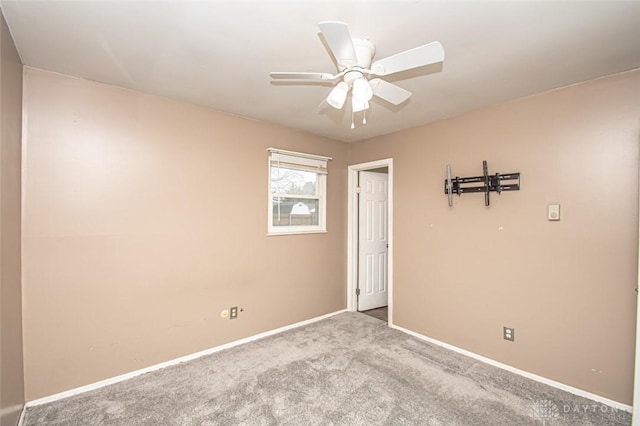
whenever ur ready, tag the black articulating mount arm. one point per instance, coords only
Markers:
(490, 183)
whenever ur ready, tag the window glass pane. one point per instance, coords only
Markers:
(293, 182)
(295, 211)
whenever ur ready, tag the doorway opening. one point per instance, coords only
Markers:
(369, 241)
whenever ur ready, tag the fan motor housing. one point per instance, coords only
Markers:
(365, 50)
(352, 75)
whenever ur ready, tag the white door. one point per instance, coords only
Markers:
(372, 240)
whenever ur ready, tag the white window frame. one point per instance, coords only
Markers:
(305, 162)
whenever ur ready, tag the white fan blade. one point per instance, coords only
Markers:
(339, 40)
(389, 92)
(413, 58)
(303, 76)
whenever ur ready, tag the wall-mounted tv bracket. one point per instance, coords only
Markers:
(490, 183)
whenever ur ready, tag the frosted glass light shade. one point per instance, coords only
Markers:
(362, 91)
(338, 95)
(358, 106)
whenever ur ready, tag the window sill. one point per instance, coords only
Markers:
(275, 234)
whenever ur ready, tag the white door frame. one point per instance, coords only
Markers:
(352, 233)
(635, 419)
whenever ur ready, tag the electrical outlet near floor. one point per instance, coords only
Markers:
(509, 334)
(233, 311)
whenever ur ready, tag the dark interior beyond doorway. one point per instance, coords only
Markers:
(379, 313)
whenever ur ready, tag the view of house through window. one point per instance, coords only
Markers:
(295, 197)
(297, 185)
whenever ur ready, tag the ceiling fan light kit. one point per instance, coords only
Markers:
(353, 58)
(362, 91)
(338, 95)
(358, 106)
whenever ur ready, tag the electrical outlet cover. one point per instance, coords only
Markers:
(509, 334)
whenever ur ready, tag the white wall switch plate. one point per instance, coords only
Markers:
(553, 212)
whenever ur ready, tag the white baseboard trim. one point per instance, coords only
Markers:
(561, 386)
(126, 376)
(21, 419)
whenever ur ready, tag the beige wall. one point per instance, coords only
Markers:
(11, 373)
(567, 287)
(144, 218)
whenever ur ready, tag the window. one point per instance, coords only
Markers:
(297, 192)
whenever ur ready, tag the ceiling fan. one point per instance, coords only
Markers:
(357, 73)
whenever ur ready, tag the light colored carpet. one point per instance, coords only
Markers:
(349, 369)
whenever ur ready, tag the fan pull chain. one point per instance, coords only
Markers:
(364, 117)
(353, 126)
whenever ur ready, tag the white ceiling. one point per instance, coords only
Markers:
(219, 53)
